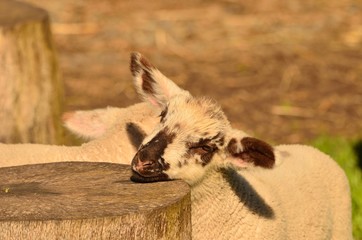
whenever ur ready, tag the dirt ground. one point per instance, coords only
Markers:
(283, 70)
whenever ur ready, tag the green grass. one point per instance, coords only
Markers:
(345, 153)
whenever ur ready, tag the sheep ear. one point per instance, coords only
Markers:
(247, 151)
(150, 83)
(90, 124)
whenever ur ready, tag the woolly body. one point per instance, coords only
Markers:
(241, 187)
(305, 197)
(109, 127)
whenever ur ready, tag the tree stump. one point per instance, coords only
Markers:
(72, 200)
(31, 92)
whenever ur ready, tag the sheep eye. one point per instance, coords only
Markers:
(163, 114)
(207, 148)
(201, 149)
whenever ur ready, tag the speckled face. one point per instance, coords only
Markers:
(193, 134)
(183, 145)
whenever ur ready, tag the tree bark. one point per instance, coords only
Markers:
(31, 92)
(72, 200)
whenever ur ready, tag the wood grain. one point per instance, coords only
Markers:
(75, 200)
(31, 91)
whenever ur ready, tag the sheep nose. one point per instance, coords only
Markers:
(145, 167)
(144, 164)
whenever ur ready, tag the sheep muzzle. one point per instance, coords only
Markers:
(147, 170)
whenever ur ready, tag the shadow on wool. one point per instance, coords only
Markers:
(247, 194)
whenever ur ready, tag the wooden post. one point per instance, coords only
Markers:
(31, 92)
(73, 200)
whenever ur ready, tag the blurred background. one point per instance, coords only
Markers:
(286, 71)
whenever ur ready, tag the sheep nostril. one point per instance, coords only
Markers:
(148, 163)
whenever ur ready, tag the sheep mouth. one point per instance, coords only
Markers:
(138, 178)
(148, 170)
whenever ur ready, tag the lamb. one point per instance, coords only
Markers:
(241, 187)
(115, 135)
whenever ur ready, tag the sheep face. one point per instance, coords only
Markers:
(193, 135)
(190, 134)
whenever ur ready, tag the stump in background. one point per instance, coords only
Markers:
(73, 200)
(31, 92)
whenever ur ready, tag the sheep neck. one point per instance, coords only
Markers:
(221, 194)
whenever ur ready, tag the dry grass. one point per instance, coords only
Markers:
(283, 70)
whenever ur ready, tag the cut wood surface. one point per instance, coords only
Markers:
(90, 201)
(31, 92)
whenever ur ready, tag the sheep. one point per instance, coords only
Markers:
(241, 187)
(115, 134)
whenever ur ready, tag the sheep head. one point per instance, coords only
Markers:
(193, 135)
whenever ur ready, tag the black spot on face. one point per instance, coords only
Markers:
(206, 158)
(163, 114)
(165, 165)
(155, 148)
(205, 148)
(205, 151)
(221, 141)
(149, 163)
(217, 136)
(203, 141)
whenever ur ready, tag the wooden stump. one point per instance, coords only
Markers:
(31, 92)
(73, 200)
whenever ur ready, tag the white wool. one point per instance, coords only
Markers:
(112, 146)
(304, 196)
(307, 195)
